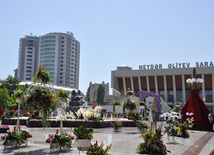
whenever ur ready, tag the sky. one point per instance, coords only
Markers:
(112, 32)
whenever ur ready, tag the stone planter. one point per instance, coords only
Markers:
(83, 144)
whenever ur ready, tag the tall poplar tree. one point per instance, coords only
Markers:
(100, 94)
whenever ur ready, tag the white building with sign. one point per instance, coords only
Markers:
(169, 83)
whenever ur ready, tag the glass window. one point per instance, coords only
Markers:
(48, 37)
(170, 96)
(209, 96)
(162, 94)
(179, 96)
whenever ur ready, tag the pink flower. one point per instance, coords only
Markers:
(49, 139)
(30, 135)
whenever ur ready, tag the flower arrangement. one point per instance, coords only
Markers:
(190, 119)
(42, 76)
(44, 100)
(96, 149)
(142, 125)
(62, 95)
(194, 84)
(129, 102)
(182, 131)
(171, 130)
(60, 141)
(190, 122)
(16, 138)
(117, 125)
(153, 143)
(176, 129)
(89, 113)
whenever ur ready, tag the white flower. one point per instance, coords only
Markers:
(95, 114)
(61, 117)
(189, 80)
(193, 80)
(199, 80)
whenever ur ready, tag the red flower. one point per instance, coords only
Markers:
(43, 97)
(57, 131)
(3, 137)
(30, 135)
(19, 127)
(72, 137)
(14, 128)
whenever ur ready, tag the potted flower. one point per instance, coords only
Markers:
(96, 149)
(14, 138)
(60, 141)
(117, 125)
(153, 143)
(142, 126)
(83, 137)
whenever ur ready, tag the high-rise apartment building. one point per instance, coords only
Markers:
(60, 54)
(28, 57)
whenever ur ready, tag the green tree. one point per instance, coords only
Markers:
(100, 94)
(87, 98)
(11, 83)
(4, 98)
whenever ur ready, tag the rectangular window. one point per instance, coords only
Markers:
(29, 59)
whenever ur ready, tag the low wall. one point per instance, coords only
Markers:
(69, 123)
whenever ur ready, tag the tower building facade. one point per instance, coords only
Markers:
(28, 57)
(58, 52)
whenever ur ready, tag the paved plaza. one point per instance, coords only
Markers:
(124, 142)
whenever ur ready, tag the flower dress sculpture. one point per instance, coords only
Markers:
(195, 105)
